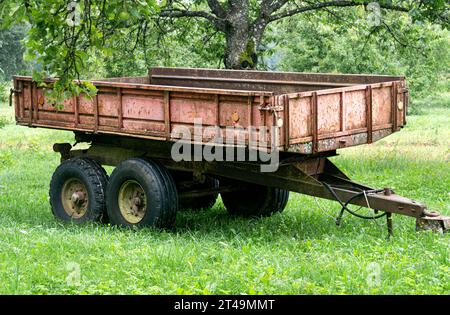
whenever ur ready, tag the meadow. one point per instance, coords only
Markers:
(300, 251)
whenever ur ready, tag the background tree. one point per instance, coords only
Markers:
(11, 52)
(66, 37)
(11, 57)
(243, 22)
(347, 43)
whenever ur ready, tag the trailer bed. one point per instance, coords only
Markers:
(312, 112)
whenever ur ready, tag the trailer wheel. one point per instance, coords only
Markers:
(77, 191)
(255, 200)
(141, 193)
(203, 202)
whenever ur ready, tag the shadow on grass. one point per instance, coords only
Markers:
(217, 224)
(307, 223)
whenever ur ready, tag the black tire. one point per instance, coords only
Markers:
(255, 200)
(104, 218)
(153, 188)
(93, 179)
(204, 202)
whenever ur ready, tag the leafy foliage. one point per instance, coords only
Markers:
(174, 44)
(4, 91)
(65, 34)
(420, 51)
(97, 38)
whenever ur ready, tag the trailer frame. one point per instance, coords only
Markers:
(313, 175)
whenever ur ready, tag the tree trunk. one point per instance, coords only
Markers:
(242, 37)
(240, 49)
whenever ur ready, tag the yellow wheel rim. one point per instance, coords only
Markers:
(74, 198)
(132, 201)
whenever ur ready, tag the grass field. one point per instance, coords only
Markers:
(300, 251)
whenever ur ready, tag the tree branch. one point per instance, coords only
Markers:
(322, 5)
(270, 6)
(267, 8)
(178, 13)
(216, 8)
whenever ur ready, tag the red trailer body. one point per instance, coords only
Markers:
(316, 112)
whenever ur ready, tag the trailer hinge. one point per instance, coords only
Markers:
(276, 104)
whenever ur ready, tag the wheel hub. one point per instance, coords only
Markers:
(132, 201)
(74, 198)
(78, 198)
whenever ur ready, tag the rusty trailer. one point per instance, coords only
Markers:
(133, 123)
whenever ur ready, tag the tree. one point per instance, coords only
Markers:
(11, 52)
(244, 22)
(421, 52)
(65, 33)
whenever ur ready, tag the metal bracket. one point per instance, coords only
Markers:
(433, 221)
(11, 92)
(271, 108)
(63, 149)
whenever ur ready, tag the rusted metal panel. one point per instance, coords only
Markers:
(356, 109)
(342, 111)
(143, 107)
(35, 105)
(400, 104)
(300, 118)
(328, 113)
(381, 105)
(16, 99)
(262, 80)
(96, 113)
(19, 99)
(31, 106)
(76, 110)
(184, 108)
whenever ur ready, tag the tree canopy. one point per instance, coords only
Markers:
(67, 37)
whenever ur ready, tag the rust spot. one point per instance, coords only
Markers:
(41, 101)
(235, 117)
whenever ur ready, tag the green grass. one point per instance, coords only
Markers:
(298, 252)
